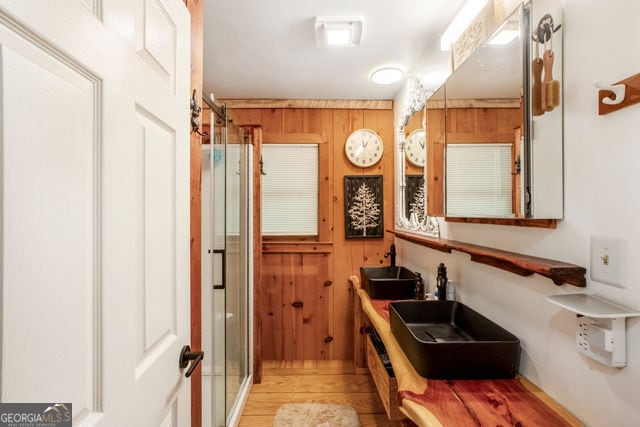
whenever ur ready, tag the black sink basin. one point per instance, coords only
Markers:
(388, 282)
(448, 340)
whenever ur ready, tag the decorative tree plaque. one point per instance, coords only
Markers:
(363, 207)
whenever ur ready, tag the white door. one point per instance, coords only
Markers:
(95, 207)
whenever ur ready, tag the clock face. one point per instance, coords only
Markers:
(414, 147)
(363, 148)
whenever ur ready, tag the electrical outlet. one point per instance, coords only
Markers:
(608, 261)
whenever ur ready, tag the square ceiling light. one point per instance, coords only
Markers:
(338, 31)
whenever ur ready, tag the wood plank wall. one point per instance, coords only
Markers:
(307, 304)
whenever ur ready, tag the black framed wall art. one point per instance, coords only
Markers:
(415, 198)
(363, 207)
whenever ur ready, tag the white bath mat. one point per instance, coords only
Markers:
(316, 415)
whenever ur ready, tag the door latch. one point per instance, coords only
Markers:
(186, 356)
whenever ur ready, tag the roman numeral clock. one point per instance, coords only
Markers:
(363, 148)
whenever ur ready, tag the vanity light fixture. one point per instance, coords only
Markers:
(460, 22)
(338, 31)
(387, 75)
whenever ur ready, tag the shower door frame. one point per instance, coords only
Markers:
(232, 412)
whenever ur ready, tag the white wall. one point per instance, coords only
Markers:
(602, 197)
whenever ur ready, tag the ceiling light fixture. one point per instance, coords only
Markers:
(338, 31)
(465, 16)
(387, 75)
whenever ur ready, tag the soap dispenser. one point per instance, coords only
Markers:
(441, 282)
(420, 288)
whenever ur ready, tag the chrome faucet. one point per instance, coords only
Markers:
(392, 254)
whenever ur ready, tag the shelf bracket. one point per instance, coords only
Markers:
(600, 327)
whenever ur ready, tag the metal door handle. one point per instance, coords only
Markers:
(224, 267)
(187, 355)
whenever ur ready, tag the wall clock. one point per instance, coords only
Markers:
(414, 147)
(363, 148)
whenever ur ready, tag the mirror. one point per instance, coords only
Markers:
(415, 156)
(493, 154)
(484, 120)
(502, 161)
(411, 158)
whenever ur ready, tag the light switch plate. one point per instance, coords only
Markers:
(608, 261)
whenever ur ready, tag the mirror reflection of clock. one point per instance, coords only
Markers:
(414, 148)
(363, 148)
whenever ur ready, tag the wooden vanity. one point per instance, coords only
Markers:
(429, 402)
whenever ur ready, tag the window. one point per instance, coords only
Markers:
(290, 190)
(479, 180)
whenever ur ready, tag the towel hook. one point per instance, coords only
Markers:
(618, 92)
(195, 115)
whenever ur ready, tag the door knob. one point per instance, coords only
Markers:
(187, 355)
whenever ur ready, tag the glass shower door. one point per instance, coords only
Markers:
(225, 263)
(237, 243)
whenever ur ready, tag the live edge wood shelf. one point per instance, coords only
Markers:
(438, 403)
(522, 265)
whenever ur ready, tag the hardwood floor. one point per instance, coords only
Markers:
(322, 381)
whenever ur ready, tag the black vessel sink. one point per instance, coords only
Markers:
(388, 282)
(448, 340)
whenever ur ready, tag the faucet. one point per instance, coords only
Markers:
(392, 254)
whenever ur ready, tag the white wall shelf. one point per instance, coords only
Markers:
(601, 326)
(591, 306)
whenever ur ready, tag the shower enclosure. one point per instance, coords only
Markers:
(226, 269)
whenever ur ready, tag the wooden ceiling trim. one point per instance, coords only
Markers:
(310, 103)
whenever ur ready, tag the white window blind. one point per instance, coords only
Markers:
(479, 180)
(290, 190)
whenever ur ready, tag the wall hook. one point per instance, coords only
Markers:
(543, 33)
(626, 92)
(262, 172)
(195, 115)
(618, 92)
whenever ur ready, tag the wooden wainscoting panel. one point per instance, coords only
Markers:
(271, 307)
(306, 288)
(292, 304)
(316, 336)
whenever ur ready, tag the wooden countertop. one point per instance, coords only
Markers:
(428, 402)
